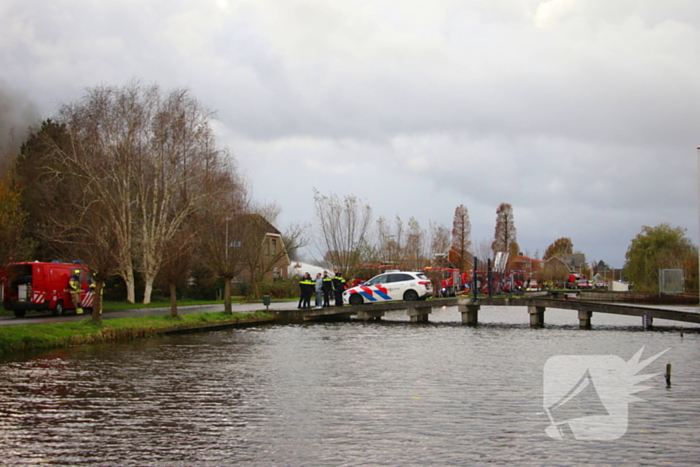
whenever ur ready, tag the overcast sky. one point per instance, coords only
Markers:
(584, 115)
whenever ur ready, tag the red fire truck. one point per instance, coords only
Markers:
(43, 287)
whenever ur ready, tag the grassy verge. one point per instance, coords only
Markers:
(55, 335)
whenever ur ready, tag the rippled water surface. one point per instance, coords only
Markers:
(390, 393)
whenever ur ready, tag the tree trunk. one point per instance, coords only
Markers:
(130, 287)
(97, 302)
(227, 296)
(148, 290)
(256, 290)
(173, 299)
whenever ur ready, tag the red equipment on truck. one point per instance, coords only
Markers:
(43, 287)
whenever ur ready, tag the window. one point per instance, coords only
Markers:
(383, 279)
(400, 277)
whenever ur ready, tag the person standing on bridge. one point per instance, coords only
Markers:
(306, 288)
(318, 288)
(338, 287)
(327, 289)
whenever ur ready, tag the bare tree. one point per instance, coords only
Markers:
(416, 254)
(482, 250)
(156, 155)
(461, 238)
(178, 261)
(439, 239)
(170, 184)
(390, 242)
(220, 233)
(343, 229)
(82, 225)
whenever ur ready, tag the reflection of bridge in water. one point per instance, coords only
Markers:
(536, 304)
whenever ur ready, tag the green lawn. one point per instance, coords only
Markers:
(52, 335)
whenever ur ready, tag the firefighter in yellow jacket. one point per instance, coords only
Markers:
(75, 289)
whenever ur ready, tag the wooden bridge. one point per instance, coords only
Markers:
(536, 304)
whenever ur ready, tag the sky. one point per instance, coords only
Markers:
(583, 115)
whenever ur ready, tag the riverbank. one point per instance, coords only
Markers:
(22, 338)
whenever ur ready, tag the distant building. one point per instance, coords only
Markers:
(527, 266)
(576, 262)
(268, 251)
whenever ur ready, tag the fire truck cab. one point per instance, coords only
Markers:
(43, 287)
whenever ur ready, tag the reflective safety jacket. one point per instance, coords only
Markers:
(74, 285)
(339, 282)
(327, 283)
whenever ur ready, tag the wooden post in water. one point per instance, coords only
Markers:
(470, 314)
(584, 319)
(536, 316)
(668, 375)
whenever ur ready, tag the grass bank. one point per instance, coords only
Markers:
(55, 335)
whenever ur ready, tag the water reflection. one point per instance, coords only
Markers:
(339, 394)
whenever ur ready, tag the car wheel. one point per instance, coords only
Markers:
(410, 296)
(356, 299)
(58, 311)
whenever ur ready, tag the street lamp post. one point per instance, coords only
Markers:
(699, 220)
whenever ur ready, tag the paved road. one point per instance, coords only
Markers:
(38, 318)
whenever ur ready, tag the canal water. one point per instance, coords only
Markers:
(351, 394)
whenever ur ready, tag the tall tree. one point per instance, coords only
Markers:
(38, 187)
(390, 241)
(221, 233)
(14, 245)
(461, 238)
(660, 247)
(505, 237)
(439, 239)
(416, 255)
(343, 226)
(178, 261)
(560, 246)
(183, 156)
(147, 158)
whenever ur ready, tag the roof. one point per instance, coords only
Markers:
(260, 222)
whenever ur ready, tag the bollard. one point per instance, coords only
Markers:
(668, 375)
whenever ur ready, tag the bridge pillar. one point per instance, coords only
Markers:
(584, 319)
(370, 315)
(419, 314)
(536, 316)
(470, 314)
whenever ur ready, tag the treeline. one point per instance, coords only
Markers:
(132, 180)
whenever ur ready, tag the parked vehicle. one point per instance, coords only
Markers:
(576, 281)
(43, 287)
(394, 285)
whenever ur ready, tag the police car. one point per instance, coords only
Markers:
(392, 285)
